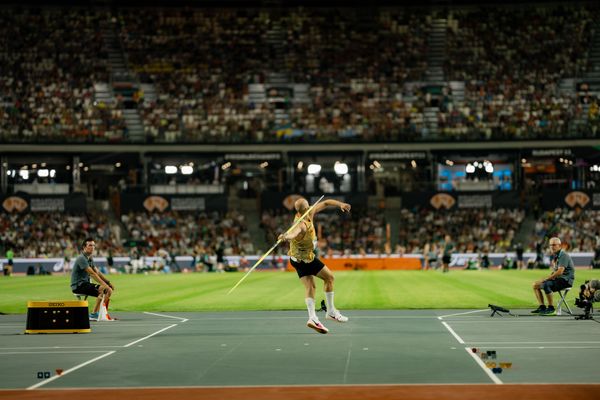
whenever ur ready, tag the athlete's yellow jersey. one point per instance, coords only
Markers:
(302, 247)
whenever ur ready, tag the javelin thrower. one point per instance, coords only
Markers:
(296, 222)
(302, 238)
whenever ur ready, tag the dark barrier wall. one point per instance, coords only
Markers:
(277, 200)
(160, 203)
(23, 203)
(552, 199)
(460, 200)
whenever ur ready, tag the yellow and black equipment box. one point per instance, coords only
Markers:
(57, 316)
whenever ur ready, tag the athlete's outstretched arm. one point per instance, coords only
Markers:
(345, 207)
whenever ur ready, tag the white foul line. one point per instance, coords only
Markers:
(488, 371)
(347, 363)
(495, 343)
(53, 352)
(45, 381)
(54, 347)
(453, 333)
(462, 313)
(149, 336)
(167, 316)
(546, 347)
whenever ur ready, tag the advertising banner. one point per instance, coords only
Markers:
(368, 263)
(23, 203)
(164, 202)
(44, 266)
(460, 200)
(557, 198)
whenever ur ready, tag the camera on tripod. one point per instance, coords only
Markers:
(584, 302)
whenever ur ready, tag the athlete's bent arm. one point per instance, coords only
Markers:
(345, 207)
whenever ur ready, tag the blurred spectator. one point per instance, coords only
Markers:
(44, 235)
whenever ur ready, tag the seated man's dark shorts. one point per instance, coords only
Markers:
(555, 285)
(306, 269)
(87, 288)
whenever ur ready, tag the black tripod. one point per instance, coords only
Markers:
(497, 310)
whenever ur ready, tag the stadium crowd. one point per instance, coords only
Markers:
(211, 235)
(360, 232)
(187, 233)
(512, 88)
(481, 230)
(579, 229)
(47, 235)
(48, 70)
(356, 66)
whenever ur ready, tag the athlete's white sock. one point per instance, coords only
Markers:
(310, 305)
(329, 301)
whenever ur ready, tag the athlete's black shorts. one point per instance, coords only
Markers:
(306, 269)
(87, 288)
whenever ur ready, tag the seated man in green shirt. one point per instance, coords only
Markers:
(83, 269)
(562, 277)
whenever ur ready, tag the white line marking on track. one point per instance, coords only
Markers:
(347, 363)
(167, 316)
(514, 321)
(75, 368)
(55, 347)
(279, 318)
(52, 352)
(149, 336)
(118, 325)
(488, 371)
(463, 313)
(546, 347)
(494, 343)
(453, 333)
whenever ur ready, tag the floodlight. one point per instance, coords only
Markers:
(340, 168)
(186, 169)
(314, 169)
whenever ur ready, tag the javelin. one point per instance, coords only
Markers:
(276, 244)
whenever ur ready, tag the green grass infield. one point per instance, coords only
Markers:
(283, 291)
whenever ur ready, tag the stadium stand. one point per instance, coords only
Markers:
(367, 76)
(48, 76)
(189, 233)
(470, 230)
(191, 75)
(46, 235)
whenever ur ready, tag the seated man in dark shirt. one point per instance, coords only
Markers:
(562, 277)
(83, 269)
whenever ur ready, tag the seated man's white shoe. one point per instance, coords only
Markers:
(315, 324)
(336, 316)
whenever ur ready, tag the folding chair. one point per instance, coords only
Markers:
(80, 296)
(563, 300)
